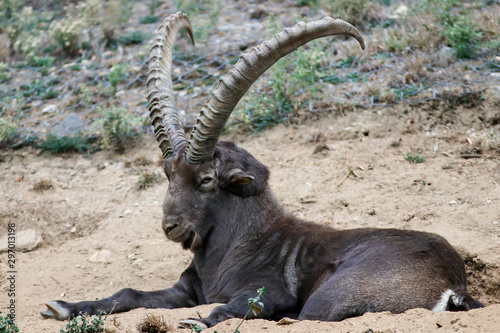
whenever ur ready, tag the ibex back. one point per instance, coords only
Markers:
(219, 206)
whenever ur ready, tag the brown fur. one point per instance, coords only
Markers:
(243, 239)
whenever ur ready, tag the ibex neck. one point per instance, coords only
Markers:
(241, 219)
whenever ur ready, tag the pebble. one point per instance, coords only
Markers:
(100, 256)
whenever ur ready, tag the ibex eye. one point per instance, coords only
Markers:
(206, 180)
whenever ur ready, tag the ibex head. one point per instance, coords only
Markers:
(202, 171)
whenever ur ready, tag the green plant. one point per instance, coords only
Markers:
(153, 4)
(8, 132)
(134, 37)
(459, 28)
(24, 27)
(204, 13)
(148, 19)
(66, 144)
(291, 80)
(314, 4)
(7, 325)
(84, 94)
(394, 40)
(118, 128)
(414, 158)
(408, 90)
(40, 88)
(381, 94)
(146, 179)
(117, 74)
(347, 62)
(43, 63)
(4, 74)
(66, 32)
(490, 140)
(51, 93)
(80, 324)
(463, 36)
(356, 12)
(255, 305)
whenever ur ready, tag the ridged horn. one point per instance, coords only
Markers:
(246, 71)
(162, 108)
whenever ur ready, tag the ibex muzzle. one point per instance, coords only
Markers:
(219, 206)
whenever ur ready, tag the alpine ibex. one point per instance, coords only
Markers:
(219, 206)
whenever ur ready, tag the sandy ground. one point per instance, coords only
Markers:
(100, 233)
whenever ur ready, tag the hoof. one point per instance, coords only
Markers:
(54, 311)
(192, 323)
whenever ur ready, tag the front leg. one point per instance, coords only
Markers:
(185, 293)
(275, 302)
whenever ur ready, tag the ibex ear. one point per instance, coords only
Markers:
(238, 178)
(238, 171)
(239, 182)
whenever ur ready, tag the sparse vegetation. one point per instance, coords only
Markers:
(414, 158)
(66, 144)
(149, 19)
(116, 75)
(43, 185)
(8, 132)
(290, 79)
(255, 305)
(463, 36)
(93, 39)
(4, 75)
(118, 128)
(147, 179)
(7, 325)
(154, 323)
(457, 27)
(84, 324)
(135, 37)
(66, 32)
(491, 140)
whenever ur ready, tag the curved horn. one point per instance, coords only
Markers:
(232, 87)
(162, 108)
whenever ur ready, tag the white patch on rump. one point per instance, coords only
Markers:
(442, 304)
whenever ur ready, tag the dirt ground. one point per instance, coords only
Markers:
(100, 233)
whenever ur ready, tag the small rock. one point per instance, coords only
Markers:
(50, 109)
(73, 230)
(286, 321)
(69, 126)
(402, 10)
(26, 240)
(320, 148)
(138, 262)
(100, 256)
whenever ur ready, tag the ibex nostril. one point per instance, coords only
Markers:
(167, 227)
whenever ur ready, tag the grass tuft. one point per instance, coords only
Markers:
(154, 323)
(66, 144)
(415, 158)
(82, 324)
